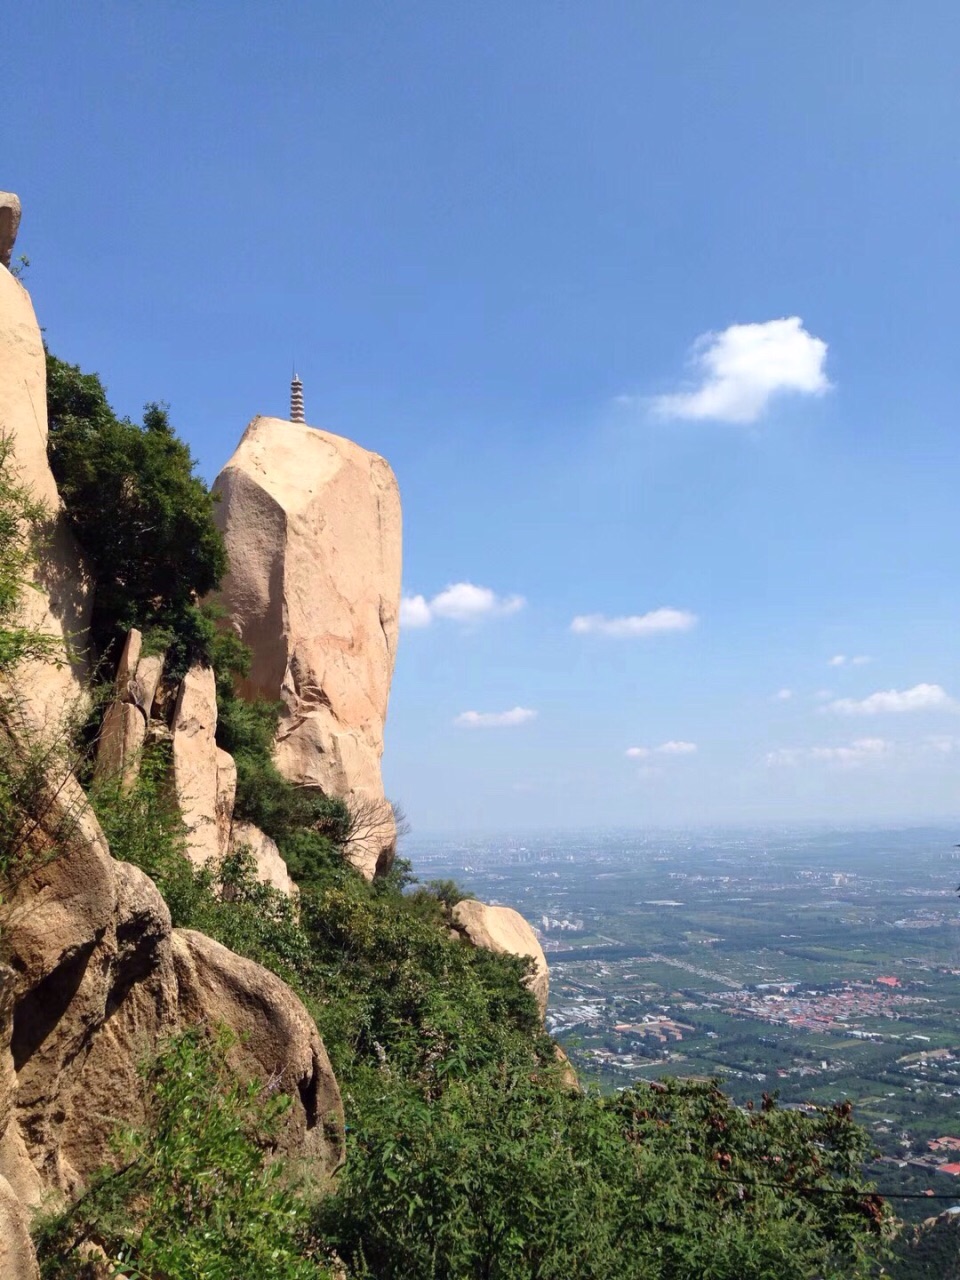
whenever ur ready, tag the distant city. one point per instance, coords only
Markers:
(817, 965)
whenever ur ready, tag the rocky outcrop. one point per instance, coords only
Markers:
(226, 798)
(62, 607)
(9, 225)
(97, 977)
(271, 868)
(127, 719)
(312, 527)
(17, 1258)
(196, 763)
(277, 1039)
(502, 929)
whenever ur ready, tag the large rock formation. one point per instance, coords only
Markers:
(270, 866)
(196, 766)
(502, 929)
(62, 608)
(312, 527)
(9, 225)
(97, 977)
(94, 976)
(127, 719)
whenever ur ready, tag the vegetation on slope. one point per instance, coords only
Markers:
(468, 1156)
(194, 1195)
(21, 531)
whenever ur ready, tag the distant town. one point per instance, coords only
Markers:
(820, 966)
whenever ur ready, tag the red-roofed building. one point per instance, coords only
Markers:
(950, 1168)
(889, 982)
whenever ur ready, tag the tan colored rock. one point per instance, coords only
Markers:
(143, 688)
(121, 742)
(126, 722)
(568, 1075)
(195, 762)
(226, 798)
(502, 929)
(138, 674)
(271, 868)
(127, 666)
(18, 1261)
(96, 980)
(278, 1039)
(62, 608)
(313, 531)
(9, 225)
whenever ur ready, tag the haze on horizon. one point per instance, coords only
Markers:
(651, 309)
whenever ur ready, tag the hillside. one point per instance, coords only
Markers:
(237, 1038)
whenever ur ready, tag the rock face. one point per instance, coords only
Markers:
(312, 527)
(271, 868)
(502, 929)
(9, 225)
(226, 798)
(17, 1259)
(196, 763)
(126, 721)
(278, 1040)
(62, 608)
(96, 978)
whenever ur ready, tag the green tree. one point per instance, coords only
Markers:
(140, 513)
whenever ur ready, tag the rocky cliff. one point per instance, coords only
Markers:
(62, 605)
(313, 533)
(94, 977)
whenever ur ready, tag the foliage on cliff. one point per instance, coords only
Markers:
(466, 1155)
(21, 528)
(142, 516)
(194, 1194)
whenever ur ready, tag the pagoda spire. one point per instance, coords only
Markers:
(296, 399)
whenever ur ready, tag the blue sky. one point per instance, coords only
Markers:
(493, 237)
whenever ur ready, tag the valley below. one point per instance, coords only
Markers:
(817, 965)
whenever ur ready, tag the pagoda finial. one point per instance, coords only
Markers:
(296, 399)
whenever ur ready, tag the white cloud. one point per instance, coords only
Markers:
(744, 366)
(653, 623)
(837, 660)
(860, 751)
(671, 748)
(783, 695)
(494, 719)
(841, 660)
(922, 697)
(460, 602)
(414, 612)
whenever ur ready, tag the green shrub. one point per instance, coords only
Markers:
(195, 1196)
(142, 516)
(22, 521)
(506, 1176)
